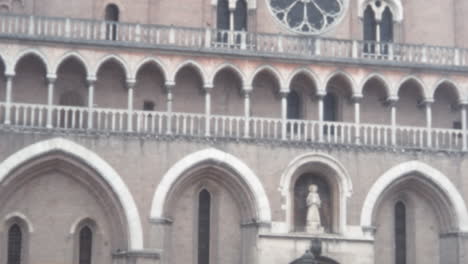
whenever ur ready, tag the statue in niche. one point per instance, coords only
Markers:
(313, 222)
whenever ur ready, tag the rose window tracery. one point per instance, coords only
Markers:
(308, 16)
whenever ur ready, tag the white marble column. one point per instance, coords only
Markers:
(320, 109)
(357, 117)
(169, 100)
(130, 87)
(284, 113)
(8, 97)
(50, 98)
(246, 92)
(428, 110)
(91, 82)
(208, 88)
(463, 125)
(392, 104)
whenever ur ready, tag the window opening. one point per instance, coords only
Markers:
(14, 244)
(204, 213)
(86, 243)
(112, 18)
(400, 233)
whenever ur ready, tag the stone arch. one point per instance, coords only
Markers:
(379, 77)
(395, 6)
(273, 71)
(304, 164)
(23, 218)
(193, 64)
(6, 63)
(219, 158)
(108, 174)
(312, 76)
(42, 57)
(117, 59)
(455, 86)
(231, 67)
(439, 181)
(420, 83)
(80, 222)
(346, 76)
(69, 55)
(154, 61)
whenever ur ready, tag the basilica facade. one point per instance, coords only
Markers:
(233, 131)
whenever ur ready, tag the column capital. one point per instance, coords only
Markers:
(463, 103)
(9, 74)
(169, 85)
(320, 94)
(246, 92)
(283, 93)
(51, 78)
(391, 100)
(208, 87)
(91, 79)
(426, 102)
(356, 98)
(131, 83)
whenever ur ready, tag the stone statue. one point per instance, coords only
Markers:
(313, 223)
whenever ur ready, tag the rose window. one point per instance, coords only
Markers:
(308, 16)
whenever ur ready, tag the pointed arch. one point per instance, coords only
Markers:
(192, 64)
(220, 158)
(455, 87)
(380, 78)
(274, 72)
(22, 217)
(395, 6)
(312, 76)
(6, 63)
(71, 55)
(108, 174)
(231, 67)
(304, 164)
(117, 59)
(41, 56)
(435, 177)
(420, 83)
(346, 76)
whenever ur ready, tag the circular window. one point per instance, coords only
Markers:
(308, 16)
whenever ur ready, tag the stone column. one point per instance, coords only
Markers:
(392, 104)
(8, 95)
(246, 93)
(169, 98)
(357, 117)
(50, 98)
(91, 82)
(130, 86)
(207, 88)
(463, 106)
(320, 97)
(284, 113)
(428, 108)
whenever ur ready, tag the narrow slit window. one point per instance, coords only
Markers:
(400, 233)
(15, 241)
(204, 214)
(85, 244)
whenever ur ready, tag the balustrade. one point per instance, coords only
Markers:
(151, 123)
(151, 36)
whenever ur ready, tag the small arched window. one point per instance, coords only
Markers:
(370, 29)
(377, 26)
(204, 215)
(400, 233)
(85, 245)
(15, 244)
(111, 16)
(240, 16)
(222, 18)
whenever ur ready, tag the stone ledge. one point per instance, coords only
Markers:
(145, 253)
(325, 237)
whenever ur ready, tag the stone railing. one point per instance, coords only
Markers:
(213, 40)
(164, 124)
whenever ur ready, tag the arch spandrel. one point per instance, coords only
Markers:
(103, 169)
